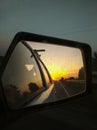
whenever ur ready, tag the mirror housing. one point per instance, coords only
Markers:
(23, 36)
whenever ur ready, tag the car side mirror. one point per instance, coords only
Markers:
(43, 71)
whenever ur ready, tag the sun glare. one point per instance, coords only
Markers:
(56, 71)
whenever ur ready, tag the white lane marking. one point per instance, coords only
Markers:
(65, 89)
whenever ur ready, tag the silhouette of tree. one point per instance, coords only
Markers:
(33, 87)
(71, 78)
(81, 74)
(94, 61)
(12, 94)
(62, 79)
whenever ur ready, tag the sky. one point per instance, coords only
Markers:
(61, 61)
(74, 20)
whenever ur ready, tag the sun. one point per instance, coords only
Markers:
(56, 71)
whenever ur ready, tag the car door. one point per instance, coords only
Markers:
(49, 94)
(25, 81)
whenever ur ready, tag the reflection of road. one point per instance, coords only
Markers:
(57, 93)
(66, 89)
(59, 90)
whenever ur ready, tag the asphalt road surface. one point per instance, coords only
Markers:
(60, 90)
(64, 90)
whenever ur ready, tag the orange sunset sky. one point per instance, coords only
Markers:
(61, 61)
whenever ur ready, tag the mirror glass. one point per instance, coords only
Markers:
(38, 73)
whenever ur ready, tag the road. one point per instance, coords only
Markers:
(65, 89)
(59, 90)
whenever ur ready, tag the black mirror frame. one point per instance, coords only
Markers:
(86, 52)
